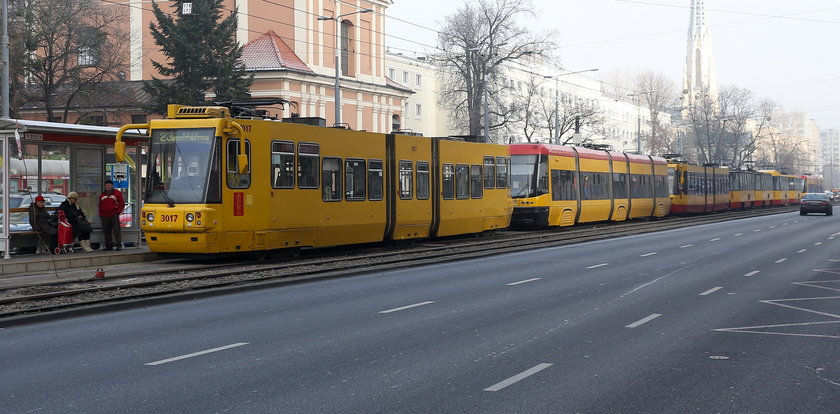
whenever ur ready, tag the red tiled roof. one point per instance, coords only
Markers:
(270, 52)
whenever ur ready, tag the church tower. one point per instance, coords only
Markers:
(699, 74)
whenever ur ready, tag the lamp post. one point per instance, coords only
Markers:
(338, 58)
(557, 99)
(638, 120)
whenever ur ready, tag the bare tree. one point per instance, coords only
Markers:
(71, 46)
(657, 91)
(477, 40)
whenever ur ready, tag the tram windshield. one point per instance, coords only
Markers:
(528, 175)
(184, 166)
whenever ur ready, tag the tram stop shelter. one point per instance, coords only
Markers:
(54, 159)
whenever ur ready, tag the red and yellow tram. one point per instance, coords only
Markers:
(555, 185)
(698, 188)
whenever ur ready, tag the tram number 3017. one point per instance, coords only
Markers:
(168, 218)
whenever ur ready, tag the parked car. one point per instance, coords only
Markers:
(815, 203)
(19, 221)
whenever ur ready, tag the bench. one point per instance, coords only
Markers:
(28, 239)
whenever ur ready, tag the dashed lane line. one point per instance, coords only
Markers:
(644, 320)
(687, 245)
(715, 239)
(772, 227)
(524, 281)
(428, 302)
(756, 230)
(712, 290)
(781, 260)
(647, 254)
(195, 354)
(753, 273)
(802, 250)
(817, 243)
(597, 265)
(518, 377)
(739, 234)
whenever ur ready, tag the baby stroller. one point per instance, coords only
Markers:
(65, 235)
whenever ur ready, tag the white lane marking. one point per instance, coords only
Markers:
(518, 377)
(710, 291)
(757, 230)
(715, 239)
(597, 265)
(524, 281)
(752, 329)
(817, 243)
(644, 320)
(647, 254)
(194, 354)
(687, 245)
(802, 250)
(835, 235)
(784, 224)
(407, 307)
(781, 260)
(772, 227)
(753, 273)
(831, 238)
(796, 221)
(739, 234)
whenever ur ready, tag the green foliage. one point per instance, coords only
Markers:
(202, 56)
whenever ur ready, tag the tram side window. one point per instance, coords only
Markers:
(594, 186)
(448, 181)
(563, 186)
(354, 180)
(375, 180)
(620, 185)
(283, 164)
(406, 180)
(502, 172)
(661, 185)
(489, 172)
(308, 165)
(476, 188)
(422, 180)
(462, 181)
(234, 178)
(331, 179)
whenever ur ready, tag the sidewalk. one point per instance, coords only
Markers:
(42, 269)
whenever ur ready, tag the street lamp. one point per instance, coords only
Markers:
(338, 57)
(638, 120)
(557, 99)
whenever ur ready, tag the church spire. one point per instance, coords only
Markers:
(699, 74)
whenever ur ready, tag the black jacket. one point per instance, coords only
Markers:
(72, 212)
(39, 219)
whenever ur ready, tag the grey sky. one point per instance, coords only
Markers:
(791, 58)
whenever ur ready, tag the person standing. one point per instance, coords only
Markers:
(111, 204)
(76, 217)
(39, 219)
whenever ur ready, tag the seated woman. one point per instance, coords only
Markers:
(39, 219)
(77, 219)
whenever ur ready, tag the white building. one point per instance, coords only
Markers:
(421, 109)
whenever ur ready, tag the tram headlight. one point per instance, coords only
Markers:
(190, 217)
(150, 217)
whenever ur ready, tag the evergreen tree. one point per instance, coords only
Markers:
(203, 56)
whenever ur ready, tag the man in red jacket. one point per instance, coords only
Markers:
(111, 204)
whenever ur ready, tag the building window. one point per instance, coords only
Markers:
(405, 78)
(392, 73)
(419, 80)
(347, 51)
(419, 111)
(395, 122)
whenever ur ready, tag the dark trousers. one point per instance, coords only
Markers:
(111, 229)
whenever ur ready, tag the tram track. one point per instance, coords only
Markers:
(46, 301)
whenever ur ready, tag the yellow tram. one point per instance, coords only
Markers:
(698, 188)
(219, 184)
(555, 185)
(787, 189)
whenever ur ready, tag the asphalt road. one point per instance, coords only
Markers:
(736, 317)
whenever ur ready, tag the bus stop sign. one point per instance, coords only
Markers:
(119, 175)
